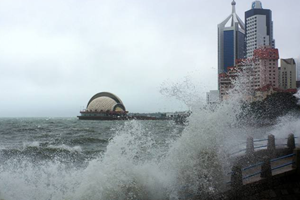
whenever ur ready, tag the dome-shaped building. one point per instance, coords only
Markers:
(104, 106)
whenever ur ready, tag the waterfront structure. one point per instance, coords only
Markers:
(258, 28)
(157, 115)
(287, 74)
(213, 97)
(104, 106)
(107, 106)
(231, 41)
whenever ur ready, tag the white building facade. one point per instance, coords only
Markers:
(258, 28)
(287, 74)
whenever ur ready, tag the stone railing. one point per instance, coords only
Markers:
(263, 163)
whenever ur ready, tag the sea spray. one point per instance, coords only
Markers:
(297, 95)
(22, 179)
(199, 159)
(288, 124)
(127, 170)
(199, 156)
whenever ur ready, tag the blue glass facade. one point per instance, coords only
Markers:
(241, 50)
(228, 49)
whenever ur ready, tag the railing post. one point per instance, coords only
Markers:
(271, 143)
(266, 170)
(236, 177)
(250, 146)
(296, 161)
(291, 142)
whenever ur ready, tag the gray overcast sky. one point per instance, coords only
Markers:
(56, 54)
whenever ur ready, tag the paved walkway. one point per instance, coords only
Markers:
(288, 191)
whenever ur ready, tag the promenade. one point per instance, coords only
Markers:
(269, 171)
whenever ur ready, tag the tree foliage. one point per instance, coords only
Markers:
(275, 105)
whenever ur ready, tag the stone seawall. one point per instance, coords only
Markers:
(272, 173)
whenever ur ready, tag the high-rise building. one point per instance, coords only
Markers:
(231, 41)
(261, 71)
(287, 74)
(259, 28)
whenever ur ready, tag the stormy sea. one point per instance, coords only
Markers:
(70, 159)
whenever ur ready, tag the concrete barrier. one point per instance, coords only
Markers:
(271, 143)
(266, 171)
(296, 161)
(291, 142)
(236, 177)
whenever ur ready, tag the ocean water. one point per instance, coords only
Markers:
(62, 138)
(69, 159)
(54, 158)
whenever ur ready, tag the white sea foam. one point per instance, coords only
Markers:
(31, 144)
(297, 95)
(44, 181)
(289, 124)
(66, 147)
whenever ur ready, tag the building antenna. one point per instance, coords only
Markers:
(233, 3)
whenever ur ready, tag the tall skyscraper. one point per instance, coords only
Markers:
(259, 28)
(231, 41)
